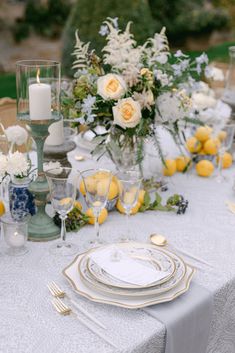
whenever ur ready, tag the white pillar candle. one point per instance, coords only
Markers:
(40, 101)
(56, 136)
(16, 239)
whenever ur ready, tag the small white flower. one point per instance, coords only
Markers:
(3, 166)
(146, 99)
(87, 107)
(180, 54)
(111, 86)
(103, 30)
(202, 59)
(16, 134)
(170, 108)
(127, 113)
(17, 165)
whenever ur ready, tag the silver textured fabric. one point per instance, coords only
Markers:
(28, 322)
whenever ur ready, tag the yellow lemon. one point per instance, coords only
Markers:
(217, 142)
(78, 205)
(82, 188)
(2, 208)
(134, 210)
(141, 196)
(222, 135)
(204, 168)
(193, 145)
(101, 219)
(227, 160)
(65, 201)
(102, 189)
(203, 133)
(170, 167)
(211, 146)
(101, 175)
(182, 162)
(202, 152)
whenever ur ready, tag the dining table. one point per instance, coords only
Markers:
(29, 322)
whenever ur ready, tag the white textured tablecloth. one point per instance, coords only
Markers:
(29, 324)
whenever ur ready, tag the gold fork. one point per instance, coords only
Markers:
(57, 292)
(64, 310)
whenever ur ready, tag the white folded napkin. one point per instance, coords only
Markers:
(125, 268)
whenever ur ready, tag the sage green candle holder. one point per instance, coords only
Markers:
(38, 105)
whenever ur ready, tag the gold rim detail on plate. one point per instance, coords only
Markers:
(123, 305)
(136, 246)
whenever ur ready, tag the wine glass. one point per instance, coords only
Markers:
(63, 189)
(95, 185)
(129, 183)
(226, 139)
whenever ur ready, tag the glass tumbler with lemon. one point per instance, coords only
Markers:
(63, 183)
(95, 186)
(129, 183)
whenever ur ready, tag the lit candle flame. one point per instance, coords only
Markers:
(38, 74)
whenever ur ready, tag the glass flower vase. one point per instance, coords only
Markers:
(125, 149)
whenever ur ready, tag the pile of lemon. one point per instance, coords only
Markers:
(201, 144)
(97, 182)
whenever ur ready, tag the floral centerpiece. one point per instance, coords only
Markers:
(131, 90)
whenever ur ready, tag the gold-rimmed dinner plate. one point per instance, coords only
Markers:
(147, 253)
(173, 281)
(72, 275)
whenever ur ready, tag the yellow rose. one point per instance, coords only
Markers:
(127, 113)
(111, 86)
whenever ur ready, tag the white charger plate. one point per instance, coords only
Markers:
(72, 275)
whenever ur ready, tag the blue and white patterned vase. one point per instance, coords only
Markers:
(20, 198)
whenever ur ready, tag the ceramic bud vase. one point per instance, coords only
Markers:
(20, 198)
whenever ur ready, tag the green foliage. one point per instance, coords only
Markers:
(45, 19)
(8, 85)
(87, 17)
(183, 18)
(76, 219)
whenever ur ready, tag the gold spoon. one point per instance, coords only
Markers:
(79, 158)
(160, 240)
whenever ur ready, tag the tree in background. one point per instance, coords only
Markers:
(44, 18)
(183, 18)
(87, 17)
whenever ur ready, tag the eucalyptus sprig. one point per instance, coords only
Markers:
(175, 203)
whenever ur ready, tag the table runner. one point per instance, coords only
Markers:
(187, 320)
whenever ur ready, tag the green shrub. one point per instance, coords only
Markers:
(45, 19)
(183, 18)
(20, 30)
(87, 17)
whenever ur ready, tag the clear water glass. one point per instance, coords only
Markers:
(63, 184)
(129, 183)
(226, 142)
(96, 184)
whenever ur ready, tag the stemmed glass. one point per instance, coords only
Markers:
(226, 139)
(63, 184)
(129, 183)
(95, 184)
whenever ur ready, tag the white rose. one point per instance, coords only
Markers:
(202, 101)
(127, 113)
(111, 86)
